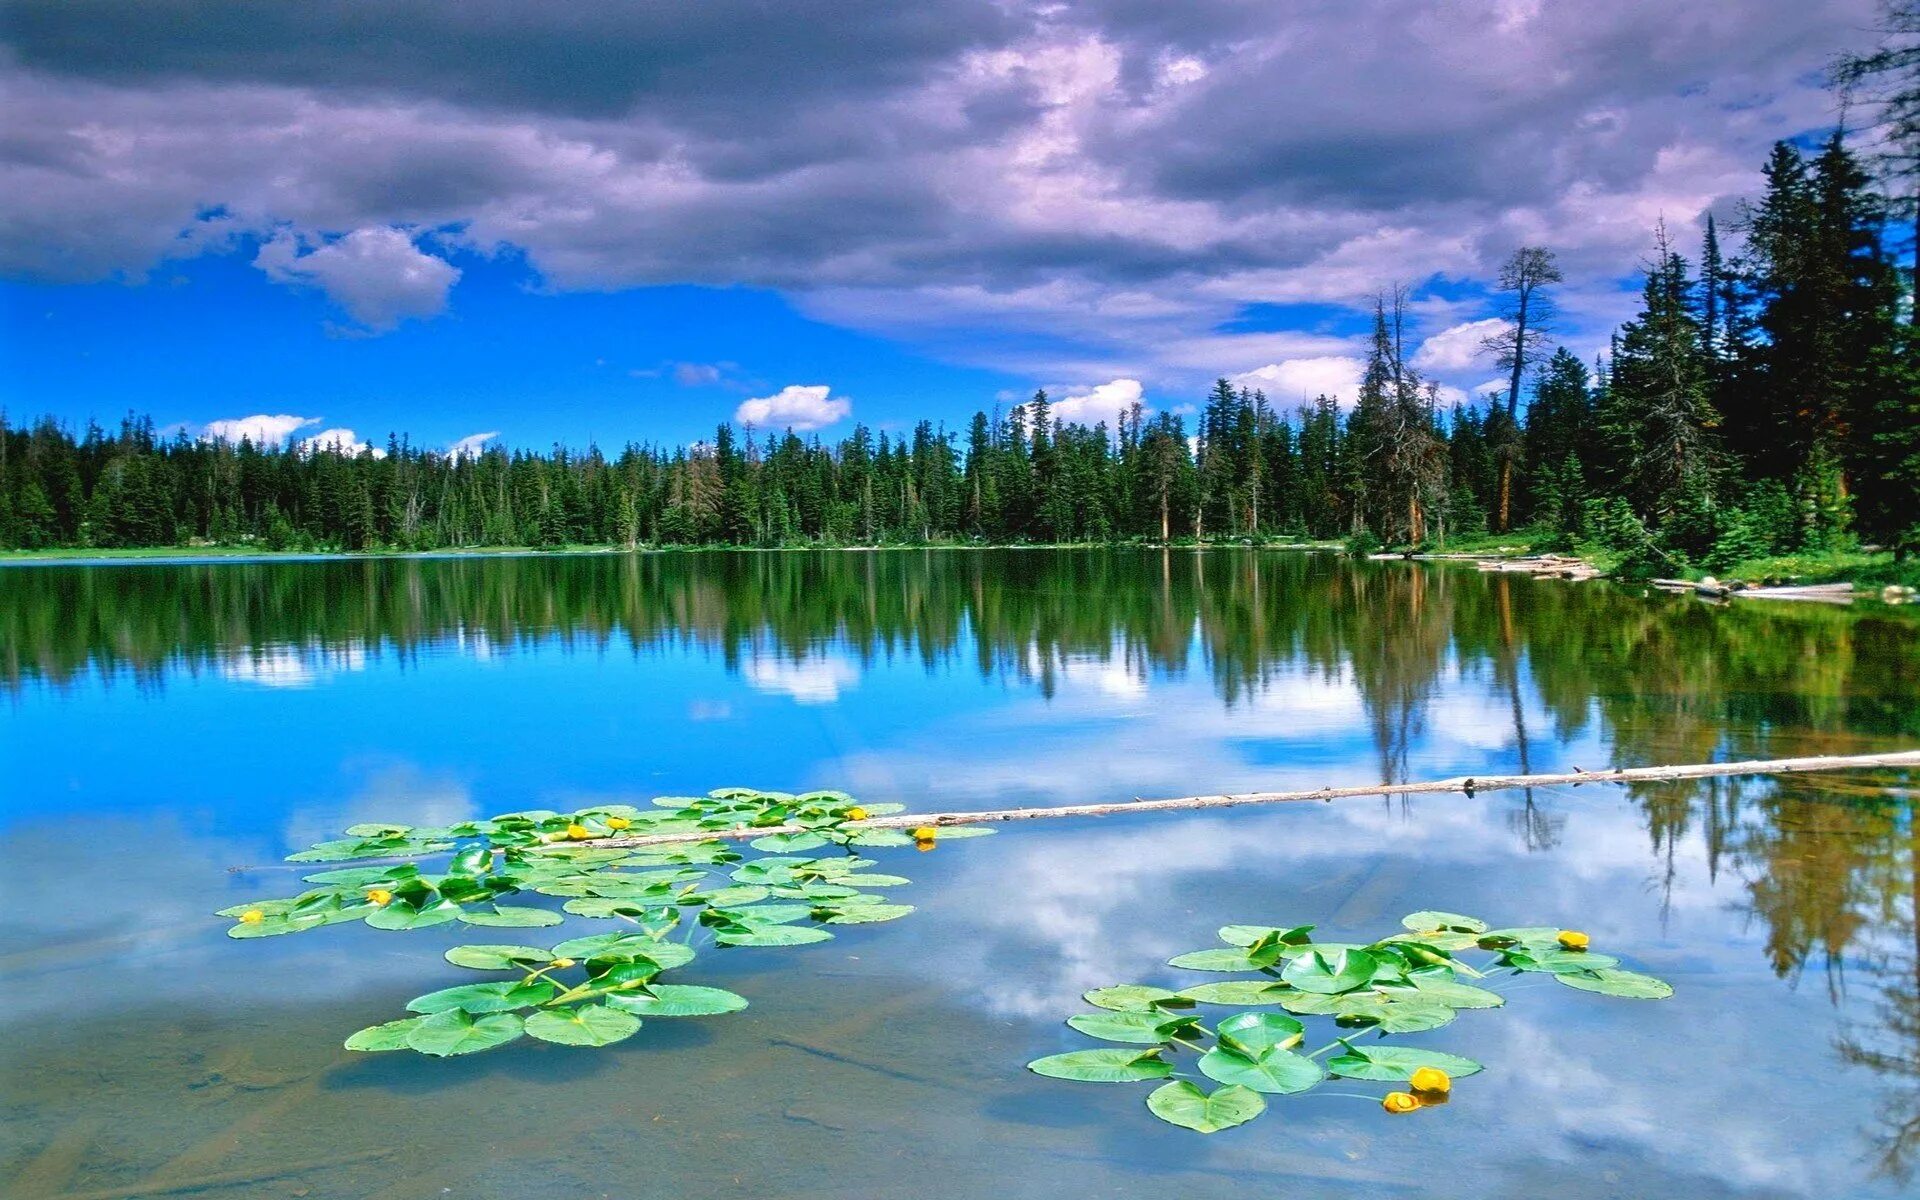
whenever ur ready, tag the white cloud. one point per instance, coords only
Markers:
(1297, 380)
(797, 406)
(471, 445)
(1104, 402)
(260, 429)
(1457, 348)
(340, 441)
(377, 274)
(815, 679)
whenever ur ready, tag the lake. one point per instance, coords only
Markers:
(171, 732)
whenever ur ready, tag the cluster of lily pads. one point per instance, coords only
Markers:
(1409, 982)
(594, 990)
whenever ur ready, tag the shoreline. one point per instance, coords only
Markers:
(196, 555)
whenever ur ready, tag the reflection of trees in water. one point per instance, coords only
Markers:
(1831, 868)
(1828, 863)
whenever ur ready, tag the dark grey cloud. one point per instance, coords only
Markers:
(1111, 180)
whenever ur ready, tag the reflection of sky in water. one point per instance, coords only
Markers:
(126, 807)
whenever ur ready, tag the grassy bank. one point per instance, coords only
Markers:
(1866, 571)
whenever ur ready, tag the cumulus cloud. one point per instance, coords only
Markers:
(471, 445)
(1302, 380)
(341, 441)
(799, 407)
(378, 276)
(1105, 402)
(1457, 348)
(260, 429)
(1102, 189)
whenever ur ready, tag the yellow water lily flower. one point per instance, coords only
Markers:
(561, 963)
(1399, 1102)
(1572, 939)
(380, 897)
(578, 832)
(856, 813)
(1431, 1079)
(618, 822)
(252, 916)
(925, 833)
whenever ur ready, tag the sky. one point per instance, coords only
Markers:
(479, 222)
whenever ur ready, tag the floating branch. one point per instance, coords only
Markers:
(1467, 786)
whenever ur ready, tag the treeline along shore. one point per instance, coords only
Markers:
(1764, 401)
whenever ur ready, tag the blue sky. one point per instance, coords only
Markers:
(630, 222)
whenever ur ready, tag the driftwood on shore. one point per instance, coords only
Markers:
(1464, 785)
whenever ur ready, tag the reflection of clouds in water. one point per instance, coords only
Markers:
(395, 792)
(816, 678)
(1100, 906)
(122, 923)
(286, 666)
(1305, 729)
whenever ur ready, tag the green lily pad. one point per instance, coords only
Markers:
(1132, 997)
(484, 997)
(497, 958)
(504, 916)
(1103, 1066)
(1609, 982)
(1341, 971)
(868, 914)
(457, 1032)
(1430, 919)
(585, 1025)
(772, 935)
(390, 1036)
(1181, 1103)
(679, 1000)
(1252, 1032)
(1241, 993)
(1139, 1028)
(1273, 1070)
(1396, 1064)
(1215, 959)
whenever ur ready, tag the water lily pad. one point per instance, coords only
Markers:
(1319, 971)
(1215, 959)
(1396, 1064)
(483, 997)
(678, 1000)
(396, 916)
(1252, 1032)
(1455, 994)
(1240, 993)
(1609, 982)
(1560, 962)
(1431, 919)
(1139, 1028)
(1132, 997)
(457, 1032)
(1273, 1070)
(772, 935)
(497, 958)
(1183, 1104)
(585, 1025)
(867, 914)
(390, 1036)
(1103, 1066)
(510, 917)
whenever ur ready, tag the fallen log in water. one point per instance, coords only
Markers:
(1468, 786)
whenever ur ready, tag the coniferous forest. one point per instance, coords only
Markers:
(1765, 400)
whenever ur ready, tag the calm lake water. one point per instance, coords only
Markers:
(168, 733)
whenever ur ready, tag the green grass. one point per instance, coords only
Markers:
(1855, 567)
